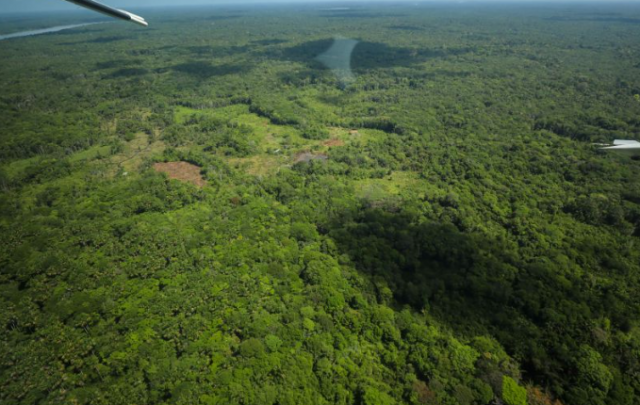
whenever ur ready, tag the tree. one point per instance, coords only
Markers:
(512, 393)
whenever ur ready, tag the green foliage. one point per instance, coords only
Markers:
(512, 393)
(431, 233)
(315, 133)
(372, 396)
(251, 348)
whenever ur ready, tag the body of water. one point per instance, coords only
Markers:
(42, 31)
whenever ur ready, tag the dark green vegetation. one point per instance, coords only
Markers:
(448, 235)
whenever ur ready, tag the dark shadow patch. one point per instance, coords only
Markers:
(216, 51)
(201, 17)
(140, 52)
(308, 51)
(347, 15)
(127, 72)
(405, 28)
(372, 55)
(108, 40)
(421, 262)
(623, 20)
(356, 13)
(115, 64)
(603, 19)
(474, 284)
(268, 42)
(368, 55)
(446, 73)
(100, 40)
(204, 70)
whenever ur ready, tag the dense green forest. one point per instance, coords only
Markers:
(202, 213)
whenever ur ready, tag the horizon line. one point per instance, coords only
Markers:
(355, 3)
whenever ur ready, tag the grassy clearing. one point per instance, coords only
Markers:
(260, 165)
(137, 151)
(182, 114)
(279, 145)
(93, 153)
(16, 168)
(396, 184)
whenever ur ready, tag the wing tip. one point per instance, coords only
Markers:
(136, 19)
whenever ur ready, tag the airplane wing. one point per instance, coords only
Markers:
(620, 142)
(625, 147)
(110, 11)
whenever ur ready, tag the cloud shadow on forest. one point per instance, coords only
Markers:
(100, 40)
(434, 267)
(405, 28)
(268, 42)
(202, 17)
(205, 70)
(107, 40)
(471, 283)
(367, 55)
(127, 72)
(116, 63)
(356, 13)
(426, 264)
(603, 19)
(464, 280)
(216, 51)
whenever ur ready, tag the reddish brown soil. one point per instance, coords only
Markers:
(333, 142)
(182, 171)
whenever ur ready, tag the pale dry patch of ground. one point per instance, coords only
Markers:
(183, 171)
(308, 156)
(338, 132)
(333, 142)
(259, 165)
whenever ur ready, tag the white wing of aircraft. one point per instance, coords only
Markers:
(110, 11)
(626, 147)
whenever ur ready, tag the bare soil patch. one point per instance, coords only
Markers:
(308, 156)
(333, 142)
(182, 171)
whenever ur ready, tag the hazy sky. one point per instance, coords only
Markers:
(13, 6)
(10, 6)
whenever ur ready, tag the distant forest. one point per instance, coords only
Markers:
(202, 212)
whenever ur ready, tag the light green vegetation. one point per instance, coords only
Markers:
(512, 393)
(441, 231)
